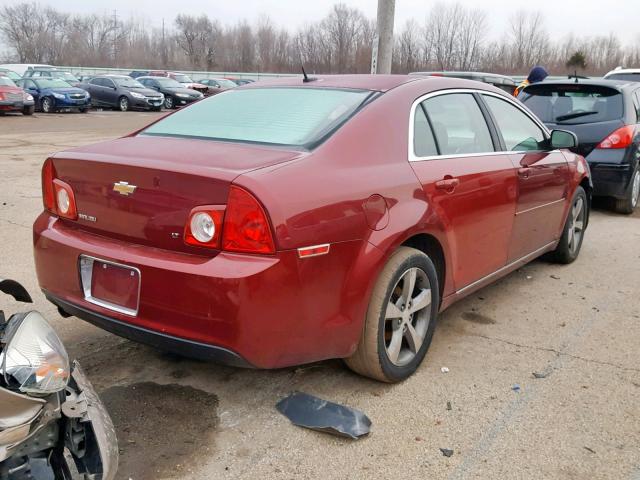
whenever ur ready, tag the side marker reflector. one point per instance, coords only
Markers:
(314, 251)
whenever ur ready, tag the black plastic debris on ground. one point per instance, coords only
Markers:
(446, 452)
(317, 414)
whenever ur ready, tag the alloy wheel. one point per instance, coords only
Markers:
(407, 316)
(168, 102)
(47, 105)
(635, 189)
(576, 226)
(124, 104)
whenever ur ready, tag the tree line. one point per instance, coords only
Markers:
(451, 37)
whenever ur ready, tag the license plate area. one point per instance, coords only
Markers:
(110, 285)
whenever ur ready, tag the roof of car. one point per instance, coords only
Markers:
(481, 76)
(623, 70)
(363, 82)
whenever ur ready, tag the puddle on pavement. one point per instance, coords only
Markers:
(478, 318)
(163, 430)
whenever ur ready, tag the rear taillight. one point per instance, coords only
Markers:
(204, 227)
(621, 138)
(57, 196)
(65, 200)
(48, 195)
(246, 227)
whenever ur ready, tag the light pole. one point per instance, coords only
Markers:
(383, 42)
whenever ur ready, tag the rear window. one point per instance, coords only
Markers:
(573, 104)
(282, 116)
(631, 77)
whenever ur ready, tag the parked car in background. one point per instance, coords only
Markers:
(628, 74)
(5, 72)
(175, 94)
(217, 85)
(503, 82)
(21, 68)
(605, 115)
(183, 79)
(122, 92)
(215, 232)
(53, 94)
(14, 98)
(139, 73)
(68, 77)
(241, 81)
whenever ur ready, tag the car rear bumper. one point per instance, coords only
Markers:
(610, 180)
(248, 310)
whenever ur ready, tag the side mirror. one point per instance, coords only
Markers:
(563, 139)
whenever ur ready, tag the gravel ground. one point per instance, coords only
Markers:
(578, 324)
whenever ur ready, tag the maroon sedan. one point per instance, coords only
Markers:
(291, 221)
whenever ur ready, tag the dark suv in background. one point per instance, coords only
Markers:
(122, 92)
(175, 94)
(605, 115)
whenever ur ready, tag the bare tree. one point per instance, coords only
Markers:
(528, 39)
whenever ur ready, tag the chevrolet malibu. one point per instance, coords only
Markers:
(291, 222)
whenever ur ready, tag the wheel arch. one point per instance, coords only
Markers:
(430, 246)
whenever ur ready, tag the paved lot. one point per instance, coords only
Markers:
(178, 418)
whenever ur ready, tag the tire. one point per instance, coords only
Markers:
(570, 242)
(123, 104)
(631, 199)
(29, 110)
(374, 356)
(169, 102)
(48, 105)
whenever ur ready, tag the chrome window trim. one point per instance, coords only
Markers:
(412, 157)
(85, 264)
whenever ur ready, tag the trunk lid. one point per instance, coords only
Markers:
(171, 176)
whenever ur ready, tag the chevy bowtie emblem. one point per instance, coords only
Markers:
(123, 188)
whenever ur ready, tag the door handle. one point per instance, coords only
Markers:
(448, 184)
(524, 172)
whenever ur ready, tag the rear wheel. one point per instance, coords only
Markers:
(123, 104)
(630, 201)
(168, 102)
(400, 320)
(47, 105)
(29, 110)
(570, 242)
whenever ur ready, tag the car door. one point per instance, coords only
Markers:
(97, 91)
(470, 186)
(110, 92)
(543, 177)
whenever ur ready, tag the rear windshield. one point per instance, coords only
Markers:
(631, 77)
(281, 116)
(573, 104)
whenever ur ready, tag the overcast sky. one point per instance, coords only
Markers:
(562, 16)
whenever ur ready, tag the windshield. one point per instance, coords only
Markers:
(65, 76)
(6, 82)
(573, 104)
(631, 77)
(283, 116)
(11, 74)
(226, 83)
(127, 82)
(51, 83)
(168, 82)
(182, 78)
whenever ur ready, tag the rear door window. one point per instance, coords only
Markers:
(424, 144)
(458, 124)
(573, 104)
(518, 131)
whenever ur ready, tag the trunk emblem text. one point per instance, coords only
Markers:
(123, 188)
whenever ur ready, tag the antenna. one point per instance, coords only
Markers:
(306, 78)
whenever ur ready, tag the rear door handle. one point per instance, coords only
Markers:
(524, 172)
(448, 184)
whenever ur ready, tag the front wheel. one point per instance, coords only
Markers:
(168, 102)
(400, 320)
(47, 105)
(570, 242)
(630, 201)
(123, 104)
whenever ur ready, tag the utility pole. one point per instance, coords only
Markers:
(383, 42)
